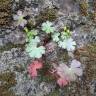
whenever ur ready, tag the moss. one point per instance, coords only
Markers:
(10, 46)
(47, 14)
(87, 56)
(93, 17)
(31, 24)
(7, 93)
(63, 55)
(9, 80)
(84, 8)
(92, 48)
(94, 5)
(5, 12)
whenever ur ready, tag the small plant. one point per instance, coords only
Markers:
(32, 47)
(47, 27)
(68, 74)
(64, 39)
(33, 50)
(20, 19)
(30, 34)
(36, 52)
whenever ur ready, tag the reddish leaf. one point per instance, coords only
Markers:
(32, 69)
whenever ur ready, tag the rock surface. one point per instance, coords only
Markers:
(14, 60)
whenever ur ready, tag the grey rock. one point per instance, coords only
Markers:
(16, 37)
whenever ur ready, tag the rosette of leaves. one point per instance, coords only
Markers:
(33, 49)
(68, 44)
(35, 52)
(67, 41)
(64, 39)
(47, 27)
(62, 35)
(69, 73)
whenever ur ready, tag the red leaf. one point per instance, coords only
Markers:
(32, 69)
(37, 65)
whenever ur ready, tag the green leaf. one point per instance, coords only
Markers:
(34, 41)
(26, 29)
(47, 27)
(68, 44)
(35, 52)
(62, 44)
(55, 37)
(66, 33)
(34, 32)
(31, 34)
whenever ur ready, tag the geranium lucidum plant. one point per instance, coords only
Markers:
(68, 74)
(68, 44)
(33, 50)
(32, 68)
(47, 27)
(20, 19)
(64, 39)
(36, 52)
